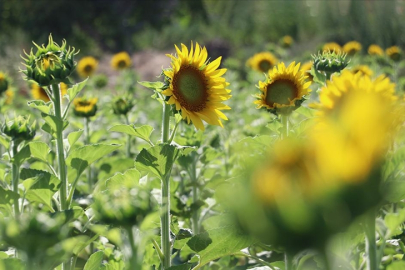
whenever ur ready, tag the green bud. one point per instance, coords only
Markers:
(19, 129)
(51, 64)
(122, 105)
(4, 82)
(330, 62)
(100, 80)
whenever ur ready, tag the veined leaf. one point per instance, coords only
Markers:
(75, 90)
(40, 105)
(142, 132)
(74, 136)
(152, 85)
(39, 150)
(94, 262)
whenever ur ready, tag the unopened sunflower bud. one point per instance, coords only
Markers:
(49, 65)
(122, 105)
(330, 62)
(19, 129)
(100, 80)
(85, 107)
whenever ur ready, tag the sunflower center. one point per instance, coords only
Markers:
(190, 88)
(264, 65)
(88, 69)
(122, 64)
(281, 92)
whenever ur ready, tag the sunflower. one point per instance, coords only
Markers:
(121, 61)
(332, 46)
(85, 107)
(306, 68)
(287, 41)
(197, 88)
(9, 96)
(374, 49)
(394, 53)
(3, 82)
(363, 69)
(352, 47)
(39, 93)
(284, 89)
(262, 62)
(86, 66)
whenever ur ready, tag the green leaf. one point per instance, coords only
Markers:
(157, 160)
(129, 178)
(153, 85)
(307, 112)
(75, 90)
(40, 186)
(40, 105)
(11, 263)
(94, 262)
(394, 190)
(142, 132)
(39, 150)
(397, 265)
(393, 222)
(221, 238)
(180, 267)
(5, 141)
(23, 154)
(74, 136)
(7, 196)
(52, 122)
(80, 158)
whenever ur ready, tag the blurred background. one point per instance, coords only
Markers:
(235, 28)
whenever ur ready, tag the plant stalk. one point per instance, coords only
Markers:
(134, 262)
(288, 259)
(284, 122)
(371, 247)
(193, 176)
(16, 178)
(128, 138)
(165, 204)
(60, 149)
(87, 142)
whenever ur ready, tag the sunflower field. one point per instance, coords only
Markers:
(185, 135)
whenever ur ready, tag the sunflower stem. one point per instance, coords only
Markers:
(371, 247)
(59, 145)
(134, 261)
(165, 204)
(288, 260)
(194, 183)
(87, 141)
(128, 138)
(284, 122)
(16, 177)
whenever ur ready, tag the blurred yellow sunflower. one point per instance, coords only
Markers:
(363, 69)
(86, 66)
(197, 88)
(374, 49)
(39, 93)
(394, 52)
(287, 41)
(353, 106)
(306, 68)
(283, 88)
(3, 82)
(85, 107)
(262, 62)
(121, 61)
(352, 47)
(9, 96)
(332, 46)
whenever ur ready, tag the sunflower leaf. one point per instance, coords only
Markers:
(75, 90)
(39, 150)
(142, 132)
(40, 105)
(156, 86)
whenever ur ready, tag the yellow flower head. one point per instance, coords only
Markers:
(262, 62)
(121, 61)
(394, 53)
(352, 47)
(197, 88)
(363, 69)
(306, 68)
(357, 114)
(4, 82)
(284, 89)
(287, 41)
(86, 66)
(374, 49)
(39, 92)
(85, 107)
(332, 46)
(9, 96)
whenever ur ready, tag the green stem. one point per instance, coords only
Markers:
(193, 176)
(288, 259)
(60, 149)
(128, 138)
(135, 261)
(87, 142)
(165, 204)
(284, 122)
(16, 177)
(371, 247)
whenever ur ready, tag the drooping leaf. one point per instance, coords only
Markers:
(152, 85)
(221, 238)
(39, 150)
(157, 160)
(75, 90)
(40, 105)
(142, 132)
(80, 158)
(94, 262)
